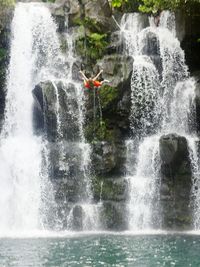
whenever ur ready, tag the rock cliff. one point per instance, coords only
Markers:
(107, 126)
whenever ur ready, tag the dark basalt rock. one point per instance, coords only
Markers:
(108, 157)
(52, 96)
(173, 152)
(66, 170)
(117, 68)
(112, 189)
(77, 218)
(6, 15)
(151, 48)
(176, 183)
(197, 100)
(114, 216)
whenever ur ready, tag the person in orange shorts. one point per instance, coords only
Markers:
(92, 82)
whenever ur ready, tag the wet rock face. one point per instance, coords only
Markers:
(197, 100)
(117, 68)
(173, 152)
(56, 106)
(151, 48)
(6, 15)
(114, 216)
(176, 182)
(188, 32)
(107, 135)
(99, 10)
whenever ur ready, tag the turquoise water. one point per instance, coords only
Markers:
(102, 250)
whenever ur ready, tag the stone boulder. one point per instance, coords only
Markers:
(176, 183)
(110, 189)
(71, 11)
(57, 104)
(151, 48)
(173, 153)
(100, 11)
(66, 12)
(108, 157)
(113, 216)
(117, 69)
(6, 15)
(196, 75)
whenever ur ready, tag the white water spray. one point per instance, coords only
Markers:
(26, 194)
(162, 102)
(21, 151)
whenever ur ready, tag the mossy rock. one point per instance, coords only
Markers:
(109, 189)
(114, 216)
(108, 96)
(92, 46)
(98, 130)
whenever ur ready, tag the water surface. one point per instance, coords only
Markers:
(102, 250)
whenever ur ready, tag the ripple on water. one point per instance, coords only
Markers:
(102, 250)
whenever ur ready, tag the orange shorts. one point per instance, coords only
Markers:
(94, 83)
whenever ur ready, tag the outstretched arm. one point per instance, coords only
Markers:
(83, 75)
(97, 76)
(105, 81)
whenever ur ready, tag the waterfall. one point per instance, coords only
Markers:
(162, 96)
(83, 214)
(20, 150)
(27, 201)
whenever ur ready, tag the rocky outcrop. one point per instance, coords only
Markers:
(114, 216)
(151, 48)
(188, 32)
(56, 105)
(5, 33)
(176, 183)
(110, 127)
(75, 11)
(197, 100)
(107, 124)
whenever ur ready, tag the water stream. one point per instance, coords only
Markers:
(162, 95)
(26, 194)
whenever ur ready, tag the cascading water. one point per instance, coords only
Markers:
(87, 210)
(26, 199)
(162, 96)
(21, 151)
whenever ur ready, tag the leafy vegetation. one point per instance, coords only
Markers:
(6, 3)
(89, 23)
(126, 5)
(3, 53)
(152, 6)
(108, 95)
(92, 44)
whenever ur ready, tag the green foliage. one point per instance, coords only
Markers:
(92, 46)
(6, 3)
(97, 43)
(107, 95)
(118, 3)
(152, 6)
(93, 41)
(98, 130)
(89, 23)
(155, 6)
(3, 53)
(126, 5)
